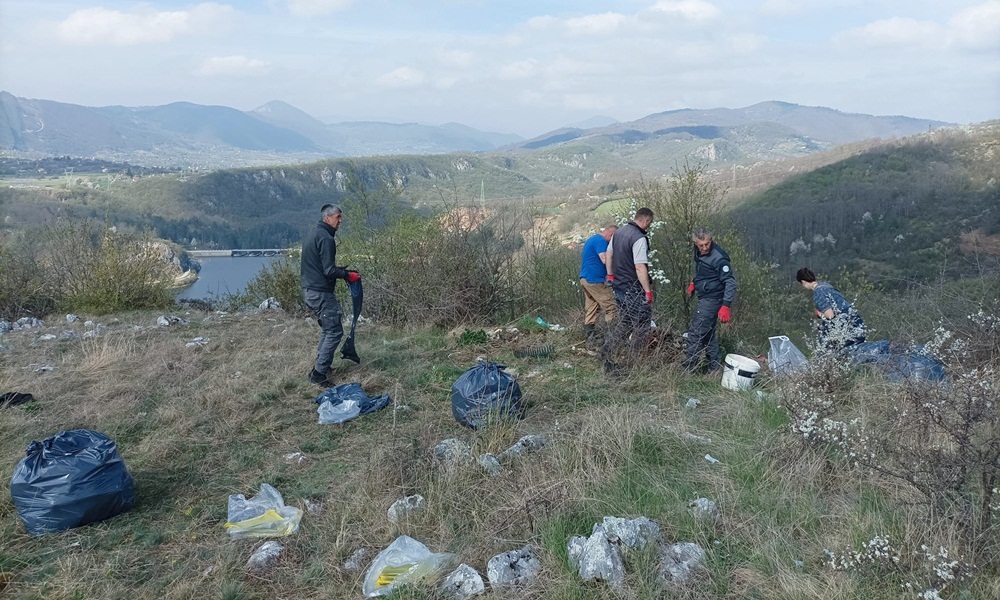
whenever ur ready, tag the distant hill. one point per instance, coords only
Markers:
(764, 131)
(904, 211)
(216, 136)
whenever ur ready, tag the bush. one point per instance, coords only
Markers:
(98, 269)
(280, 280)
(23, 290)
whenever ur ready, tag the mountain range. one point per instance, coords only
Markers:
(184, 134)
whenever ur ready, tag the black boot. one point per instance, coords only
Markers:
(590, 332)
(318, 378)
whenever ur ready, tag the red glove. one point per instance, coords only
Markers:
(690, 288)
(611, 277)
(724, 314)
(353, 277)
(649, 297)
(819, 315)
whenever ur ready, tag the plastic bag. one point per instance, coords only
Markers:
(783, 357)
(330, 414)
(264, 515)
(485, 392)
(342, 394)
(72, 478)
(403, 561)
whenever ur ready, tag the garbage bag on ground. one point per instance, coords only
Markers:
(485, 392)
(403, 561)
(264, 515)
(783, 357)
(336, 396)
(73, 478)
(332, 414)
(898, 363)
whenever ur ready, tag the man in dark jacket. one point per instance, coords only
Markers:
(627, 259)
(716, 287)
(320, 273)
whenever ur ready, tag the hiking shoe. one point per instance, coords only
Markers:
(613, 369)
(318, 378)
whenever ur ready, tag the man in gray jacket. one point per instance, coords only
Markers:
(319, 272)
(716, 287)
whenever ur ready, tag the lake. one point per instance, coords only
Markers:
(224, 275)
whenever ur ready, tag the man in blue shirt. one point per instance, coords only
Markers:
(597, 296)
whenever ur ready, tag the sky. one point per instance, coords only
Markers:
(510, 66)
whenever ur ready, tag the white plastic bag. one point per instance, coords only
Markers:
(330, 413)
(403, 561)
(783, 357)
(264, 515)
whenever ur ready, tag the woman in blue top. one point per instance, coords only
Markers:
(842, 326)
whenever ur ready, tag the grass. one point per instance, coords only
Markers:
(195, 424)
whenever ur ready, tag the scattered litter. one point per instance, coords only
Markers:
(403, 561)
(264, 515)
(71, 318)
(207, 571)
(711, 459)
(90, 324)
(47, 337)
(198, 341)
(42, 368)
(15, 398)
(315, 508)
(270, 304)
(295, 458)
(556, 327)
(692, 403)
(71, 479)
(334, 414)
(535, 351)
(541, 322)
(166, 321)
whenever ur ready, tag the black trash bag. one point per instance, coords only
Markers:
(483, 393)
(353, 391)
(72, 478)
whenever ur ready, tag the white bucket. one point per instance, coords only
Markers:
(738, 372)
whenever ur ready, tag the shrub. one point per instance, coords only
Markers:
(280, 280)
(23, 289)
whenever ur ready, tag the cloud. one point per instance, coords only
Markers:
(232, 65)
(458, 58)
(977, 26)
(317, 8)
(895, 31)
(521, 69)
(595, 24)
(103, 27)
(403, 77)
(692, 10)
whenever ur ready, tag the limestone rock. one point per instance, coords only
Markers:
(490, 463)
(680, 563)
(526, 445)
(451, 453)
(462, 583)
(265, 556)
(631, 533)
(600, 560)
(513, 569)
(405, 507)
(705, 509)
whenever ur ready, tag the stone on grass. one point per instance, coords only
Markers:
(680, 563)
(357, 560)
(705, 509)
(265, 556)
(270, 304)
(600, 560)
(526, 445)
(451, 453)
(490, 463)
(71, 317)
(631, 533)
(462, 583)
(513, 569)
(404, 507)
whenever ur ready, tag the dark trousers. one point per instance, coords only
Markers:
(633, 325)
(327, 310)
(701, 336)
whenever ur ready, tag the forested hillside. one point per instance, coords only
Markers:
(912, 210)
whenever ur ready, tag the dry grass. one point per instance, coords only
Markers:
(195, 424)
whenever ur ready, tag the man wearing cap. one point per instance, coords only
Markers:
(597, 296)
(716, 288)
(319, 272)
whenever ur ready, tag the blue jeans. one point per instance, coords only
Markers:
(327, 310)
